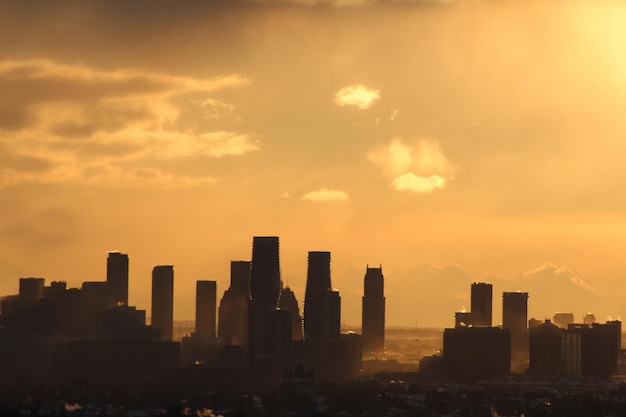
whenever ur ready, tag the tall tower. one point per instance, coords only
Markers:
(288, 302)
(233, 312)
(482, 296)
(163, 300)
(206, 300)
(515, 319)
(264, 294)
(373, 323)
(117, 277)
(322, 304)
(265, 271)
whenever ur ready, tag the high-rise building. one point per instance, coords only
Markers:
(545, 349)
(163, 300)
(264, 294)
(265, 271)
(233, 311)
(322, 304)
(288, 302)
(482, 296)
(206, 300)
(515, 319)
(31, 289)
(95, 297)
(373, 319)
(563, 320)
(117, 277)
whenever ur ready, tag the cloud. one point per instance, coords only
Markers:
(324, 194)
(418, 166)
(75, 119)
(358, 96)
(412, 182)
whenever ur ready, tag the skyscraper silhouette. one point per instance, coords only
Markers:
(117, 277)
(206, 300)
(515, 319)
(482, 297)
(233, 311)
(163, 300)
(322, 305)
(373, 323)
(288, 302)
(264, 294)
(265, 271)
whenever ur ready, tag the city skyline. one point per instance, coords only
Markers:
(450, 141)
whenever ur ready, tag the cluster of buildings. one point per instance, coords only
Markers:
(257, 329)
(475, 349)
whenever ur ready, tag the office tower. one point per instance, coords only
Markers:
(264, 293)
(288, 302)
(515, 319)
(322, 305)
(117, 277)
(95, 297)
(163, 300)
(265, 271)
(591, 349)
(206, 300)
(31, 289)
(466, 319)
(373, 319)
(233, 311)
(482, 303)
(477, 353)
(545, 349)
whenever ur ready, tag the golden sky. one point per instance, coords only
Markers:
(449, 141)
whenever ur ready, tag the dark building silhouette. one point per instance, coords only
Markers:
(322, 304)
(31, 289)
(95, 297)
(288, 302)
(264, 294)
(373, 321)
(591, 350)
(206, 300)
(545, 349)
(126, 323)
(233, 311)
(163, 301)
(477, 353)
(481, 299)
(265, 271)
(117, 277)
(466, 319)
(515, 319)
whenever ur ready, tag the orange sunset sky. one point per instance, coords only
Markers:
(449, 141)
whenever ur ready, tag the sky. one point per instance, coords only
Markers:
(447, 141)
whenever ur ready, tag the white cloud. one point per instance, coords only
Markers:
(359, 96)
(424, 157)
(119, 124)
(324, 194)
(418, 166)
(412, 182)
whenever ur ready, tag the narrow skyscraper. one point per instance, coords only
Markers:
(233, 312)
(322, 304)
(117, 277)
(206, 300)
(288, 302)
(163, 301)
(264, 295)
(373, 323)
(515, 319)
(482, 299)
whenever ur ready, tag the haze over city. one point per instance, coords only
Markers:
(448, 141)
